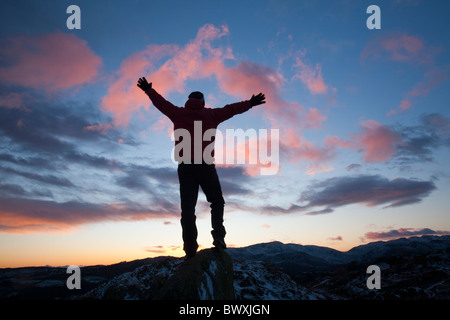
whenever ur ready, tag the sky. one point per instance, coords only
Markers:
(86, 173)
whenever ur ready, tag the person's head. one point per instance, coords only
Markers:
(197, 95)
(196, 100)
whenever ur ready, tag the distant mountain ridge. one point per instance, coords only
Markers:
(328, 256)
(411, 268)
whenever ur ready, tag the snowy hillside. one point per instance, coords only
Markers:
(413, 268)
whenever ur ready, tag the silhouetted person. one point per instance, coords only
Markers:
(196, 172)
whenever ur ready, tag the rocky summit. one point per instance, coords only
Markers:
(206, 276)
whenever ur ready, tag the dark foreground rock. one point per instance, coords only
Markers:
(206, 276)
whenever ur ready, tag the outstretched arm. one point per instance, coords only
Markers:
(158, 101)
(231, 110)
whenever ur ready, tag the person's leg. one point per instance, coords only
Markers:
(188, 196)
(209, 181)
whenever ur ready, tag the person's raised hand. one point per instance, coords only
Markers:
(258, 99)
(143, 84)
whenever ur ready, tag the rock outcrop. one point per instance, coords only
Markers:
(206, 276)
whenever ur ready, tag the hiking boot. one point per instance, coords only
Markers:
(189, 255)
(190, 250)
(220, 243)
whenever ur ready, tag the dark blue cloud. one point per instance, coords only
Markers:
(421, 141)
(369, 190)
(403, 232)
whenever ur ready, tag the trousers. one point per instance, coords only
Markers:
(191, 177)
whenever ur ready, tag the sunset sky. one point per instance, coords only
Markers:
(86, 175)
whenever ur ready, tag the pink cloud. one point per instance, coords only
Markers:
(405, 105)
(403, 232)
(405, 48)
(378, 142)
(402, 47)
(197, 59)
(123, 97)
(311, 77)
(102, 128)
(432, 79)
(13, 100)
(168, 67)
(250, 78)
(295, 148)
(27, 215)
(314, 118)
(50, 62)
(334, 141)
(396, 47)
(315, 168)
(288, 116)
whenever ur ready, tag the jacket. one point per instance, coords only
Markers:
(195, 113)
